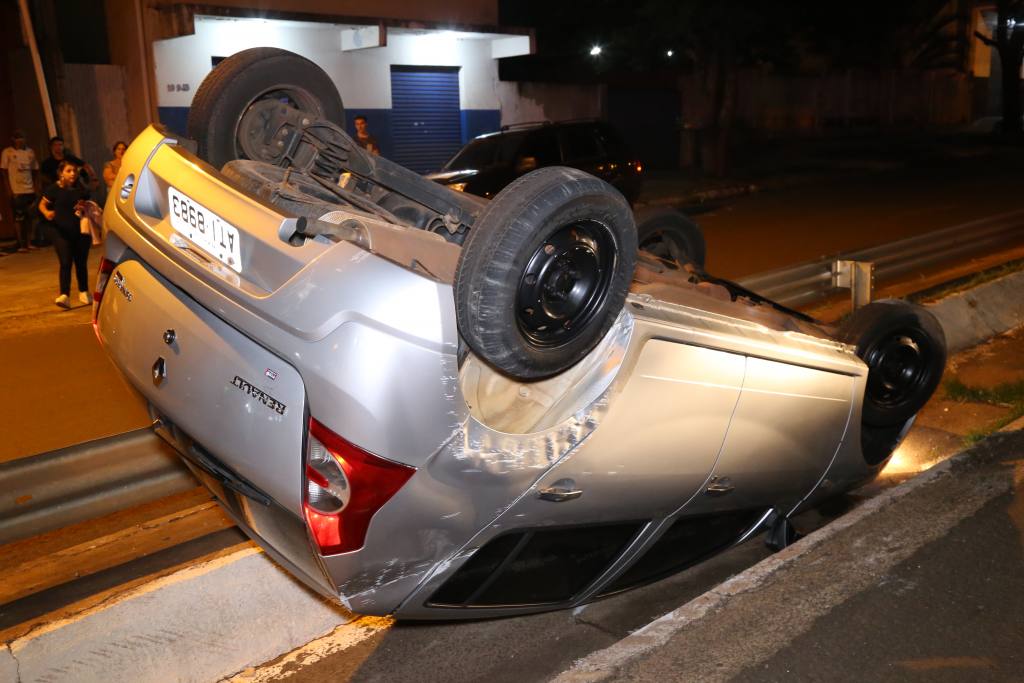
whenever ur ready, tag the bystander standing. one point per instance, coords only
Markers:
(20, 169)
(112, 167)
(49, 168)
(59, 206)
(363, 137)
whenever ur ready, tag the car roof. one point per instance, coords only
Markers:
(534, 125)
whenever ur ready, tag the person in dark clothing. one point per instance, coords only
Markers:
(49, 170)
(58, 205)
(363, 137)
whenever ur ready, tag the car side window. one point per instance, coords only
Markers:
(541, 145)
(611, 141)
(581, 143)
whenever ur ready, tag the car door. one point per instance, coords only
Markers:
(651, 452)
(539, 149)
(582, 149)
(786, 429)
(655, 447)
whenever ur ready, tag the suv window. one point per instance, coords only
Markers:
(486, 152)
(543, 146)
(611, 141)
(581, 142)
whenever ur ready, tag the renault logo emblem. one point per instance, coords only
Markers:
(159, 371)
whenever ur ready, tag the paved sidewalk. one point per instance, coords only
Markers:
(62, 388)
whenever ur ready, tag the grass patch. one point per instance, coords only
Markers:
(1007, 395)
(967, 282)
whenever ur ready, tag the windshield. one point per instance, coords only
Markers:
(486, 152)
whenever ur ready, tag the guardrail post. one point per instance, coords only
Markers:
(857, 276)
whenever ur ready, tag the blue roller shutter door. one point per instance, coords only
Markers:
(425, 122)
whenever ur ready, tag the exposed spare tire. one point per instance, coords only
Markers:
(670, 235)
(904, 348)
(545, 271)
(228, 114)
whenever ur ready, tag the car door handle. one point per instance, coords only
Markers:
(561, 491)
(719, 486)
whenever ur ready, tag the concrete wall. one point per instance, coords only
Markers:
(472, 12)
(521, 102)
(128, 50)
(97, 113)
(773, 104)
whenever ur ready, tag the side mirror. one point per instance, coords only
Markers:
(526, 164)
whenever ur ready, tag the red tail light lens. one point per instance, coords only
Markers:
(637, 166)
(345, 487)
(102, 278)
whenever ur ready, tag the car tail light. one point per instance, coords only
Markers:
(345, 486)
(102, 278)
(637, 166)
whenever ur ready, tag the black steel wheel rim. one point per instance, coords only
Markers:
(666, 246)
(259, 122)
(900, 367)
(565, 283)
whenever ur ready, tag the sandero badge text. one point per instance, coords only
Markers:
(263, 397)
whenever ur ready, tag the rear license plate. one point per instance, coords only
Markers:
(207, 230)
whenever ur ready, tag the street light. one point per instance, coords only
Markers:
(595, 51)
(669, 53)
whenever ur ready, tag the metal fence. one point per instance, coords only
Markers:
(817, 280)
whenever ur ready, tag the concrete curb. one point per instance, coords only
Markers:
(969, 318)
(202, 623)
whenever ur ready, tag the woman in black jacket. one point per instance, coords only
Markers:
(58, 205)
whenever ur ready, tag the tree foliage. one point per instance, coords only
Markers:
(1008, 40)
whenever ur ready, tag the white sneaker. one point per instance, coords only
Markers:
(85, 297)
(63, 301)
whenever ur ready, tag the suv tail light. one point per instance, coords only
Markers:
(102, 278)
(345, 486)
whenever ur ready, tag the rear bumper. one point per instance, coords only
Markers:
(277, 530)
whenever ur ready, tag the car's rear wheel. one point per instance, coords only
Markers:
(545, 272)
(670, 235)
(904, 348)
(238, 106)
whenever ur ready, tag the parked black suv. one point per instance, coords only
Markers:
(493, 160)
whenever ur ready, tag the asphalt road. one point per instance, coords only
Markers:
(774, 229)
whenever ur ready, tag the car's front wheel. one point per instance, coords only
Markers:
(670, 235)
(545, 272)
(904, 348)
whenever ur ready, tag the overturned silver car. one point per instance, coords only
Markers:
(432, 406)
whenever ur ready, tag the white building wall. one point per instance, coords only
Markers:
(363, 77)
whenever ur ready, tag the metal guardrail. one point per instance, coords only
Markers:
(811, 282)
(87, 480)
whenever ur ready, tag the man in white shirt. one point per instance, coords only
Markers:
(20, 169)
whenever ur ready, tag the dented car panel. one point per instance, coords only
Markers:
(691, 406)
